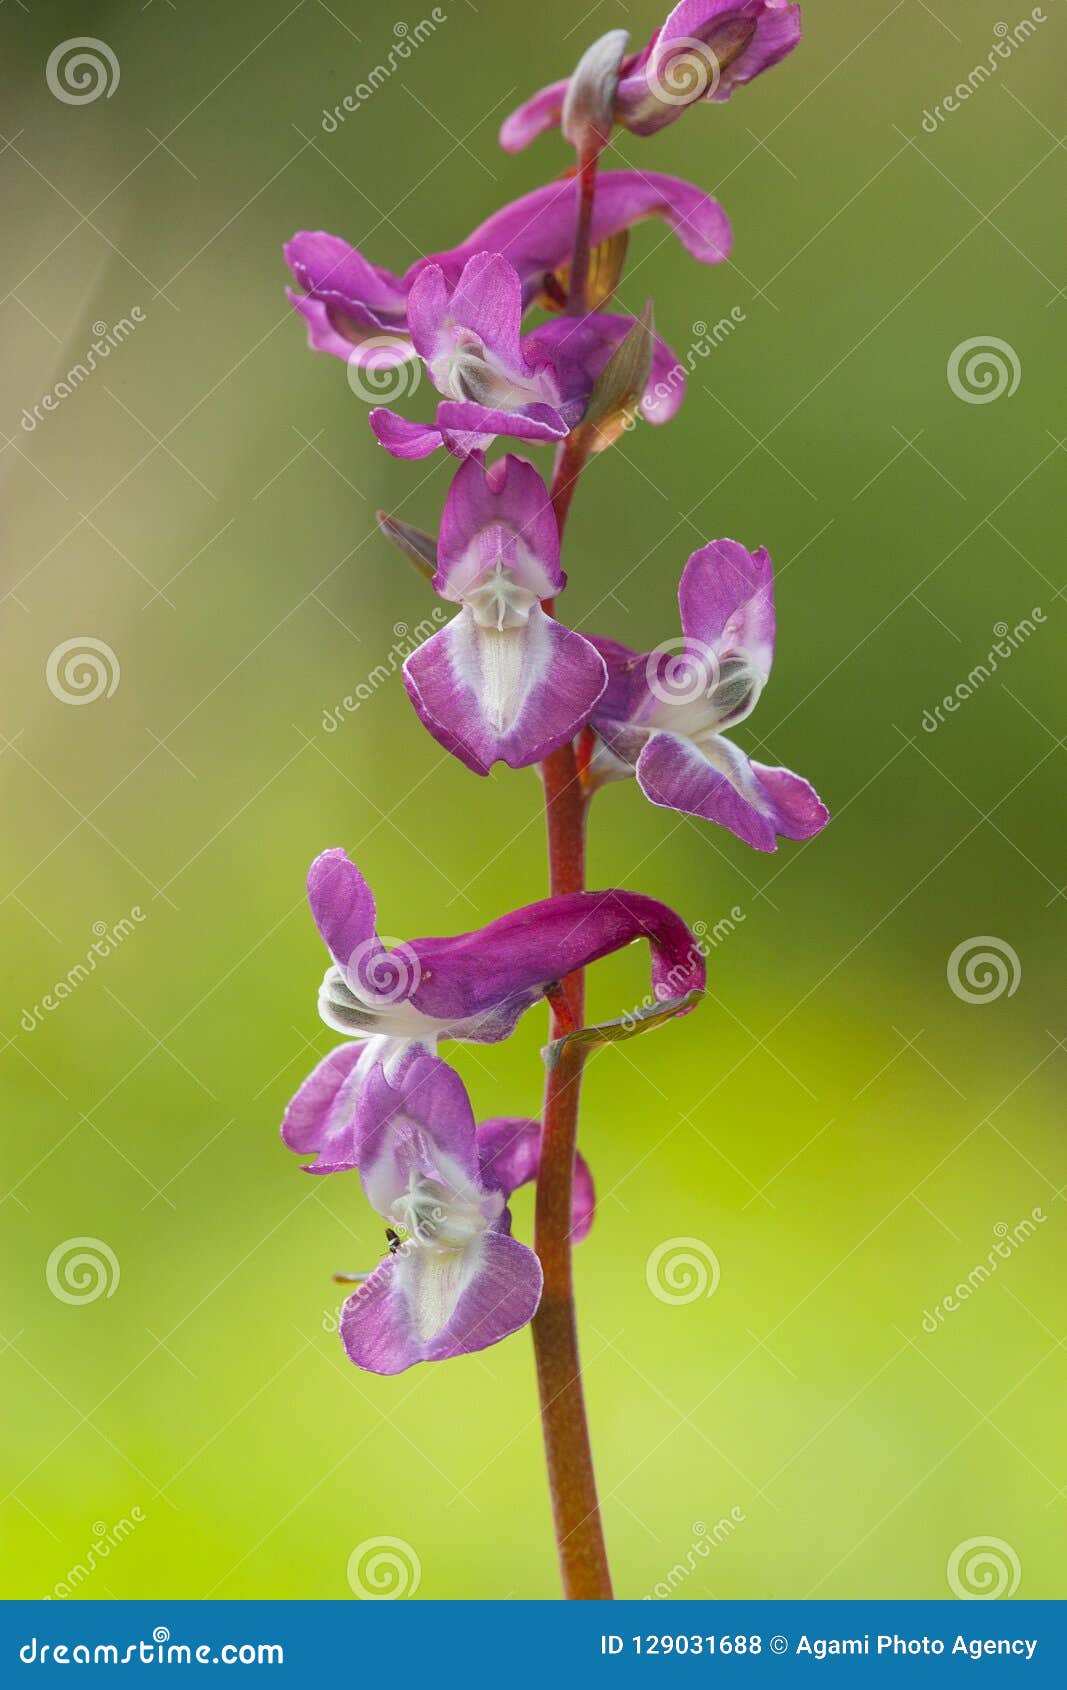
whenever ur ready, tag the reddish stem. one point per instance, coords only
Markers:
(588, 160)
(569, 1456)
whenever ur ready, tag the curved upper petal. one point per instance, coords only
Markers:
(541, 111)
(426, 1304)
(509, 1150)
(353, 309)
(726, 600)
(703, 51)
(484, 511)
(536, 233)
(512, 694)
(343, 907)
(719, 783)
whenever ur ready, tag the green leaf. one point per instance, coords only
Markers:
(417, 546)
(626, 1027)
(622, 382)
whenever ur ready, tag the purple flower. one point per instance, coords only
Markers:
(454, 1279)
(503, 680)
(663, 713)
(704, 50)
(359, 311)
(494, 383)
(473, 986)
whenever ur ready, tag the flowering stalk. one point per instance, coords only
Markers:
(505, 681)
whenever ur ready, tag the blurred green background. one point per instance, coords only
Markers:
(844, 1131)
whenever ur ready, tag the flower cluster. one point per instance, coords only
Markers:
(506, 681)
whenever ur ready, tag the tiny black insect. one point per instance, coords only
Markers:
(393, 1240)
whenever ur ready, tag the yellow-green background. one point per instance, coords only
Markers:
(840, 1128)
